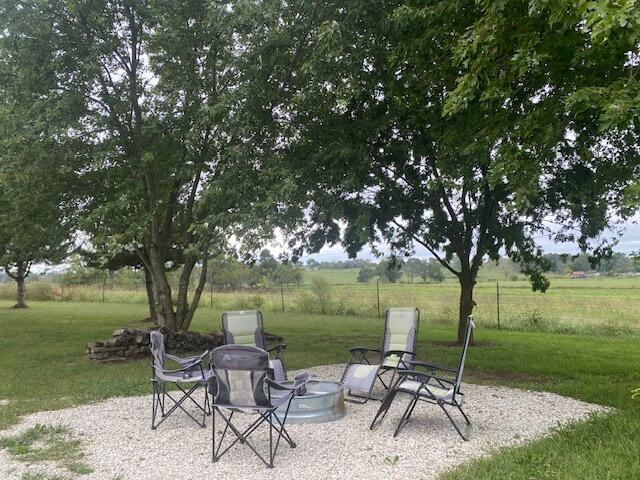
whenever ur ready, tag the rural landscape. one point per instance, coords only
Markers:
(319, 239)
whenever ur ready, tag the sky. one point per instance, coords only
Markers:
(629, 242)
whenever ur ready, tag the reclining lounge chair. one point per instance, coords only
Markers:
(244, 327)
(398, 346)
(430, 386)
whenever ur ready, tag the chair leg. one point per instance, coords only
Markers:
(453, 422)
(406, 415)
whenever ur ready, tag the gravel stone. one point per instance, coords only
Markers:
(119, 443)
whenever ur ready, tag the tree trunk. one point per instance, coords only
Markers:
(165, 315)
(20, 274)
(151, 299)
(20, 296)
(467, 282)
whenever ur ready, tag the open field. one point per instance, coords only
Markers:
(43, 366)
(609, 304)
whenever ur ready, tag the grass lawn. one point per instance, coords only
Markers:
(43, 366)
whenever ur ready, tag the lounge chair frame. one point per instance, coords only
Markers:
(359, 357)
(259, 338)
(429, 387)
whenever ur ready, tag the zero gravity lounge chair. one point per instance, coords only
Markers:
(398, 346)
(187, 378)
(244, 327)
(429, 385)
(242, 383)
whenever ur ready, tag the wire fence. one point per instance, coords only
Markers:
(611, 304)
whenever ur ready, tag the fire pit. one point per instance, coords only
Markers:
(323, 401)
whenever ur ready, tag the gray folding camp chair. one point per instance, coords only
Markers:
(244, 327)
(398, 346)
(429, 386)
(187, 378)
(242, 383)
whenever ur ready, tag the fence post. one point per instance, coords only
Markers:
(282, 295)
(378, 295)
(62, 292)
(498, 301)
(104, 285)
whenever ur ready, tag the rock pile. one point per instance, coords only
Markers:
(130, 343)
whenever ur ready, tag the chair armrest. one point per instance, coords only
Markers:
(197, 361)
(182, 361)
(364, 350)
(398, 353)
(425, 377)
(299, 380)
(433, 366)
(279, 348)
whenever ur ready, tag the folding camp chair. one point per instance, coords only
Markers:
(398, 346)
(244, 327)
(188, 378)
(242, 383)
(429, 386)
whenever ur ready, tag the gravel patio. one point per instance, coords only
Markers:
(120, 445)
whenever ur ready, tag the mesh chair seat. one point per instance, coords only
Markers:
(426, 390)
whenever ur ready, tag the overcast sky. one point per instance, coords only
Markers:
(629, 242)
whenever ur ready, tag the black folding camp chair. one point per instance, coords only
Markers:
(190, 376)
(398, 346)
(242, 383)
(244, 327)
(431, 386)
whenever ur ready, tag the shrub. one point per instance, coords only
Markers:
(322, 290)
(40, 291)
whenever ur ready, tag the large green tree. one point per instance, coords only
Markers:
(462, 126)
(37, 157)
(177, 169)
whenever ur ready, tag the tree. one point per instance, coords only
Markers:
(389, 270)
(288, 274)
(37, 161)
(412, 268)
(174, 165)
(422, 128)
(366, 273)
(432, 271)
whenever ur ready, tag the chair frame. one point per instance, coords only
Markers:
(424, 391)
(278, 348)
(359, 357)
(265, 415)
(159, 389)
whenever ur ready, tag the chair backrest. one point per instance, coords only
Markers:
(465, 348)
(157, 349)
(401, 330)
(240, 372)
(243, 327)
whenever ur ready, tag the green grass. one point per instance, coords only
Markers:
(43, 366)
(45, 443)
